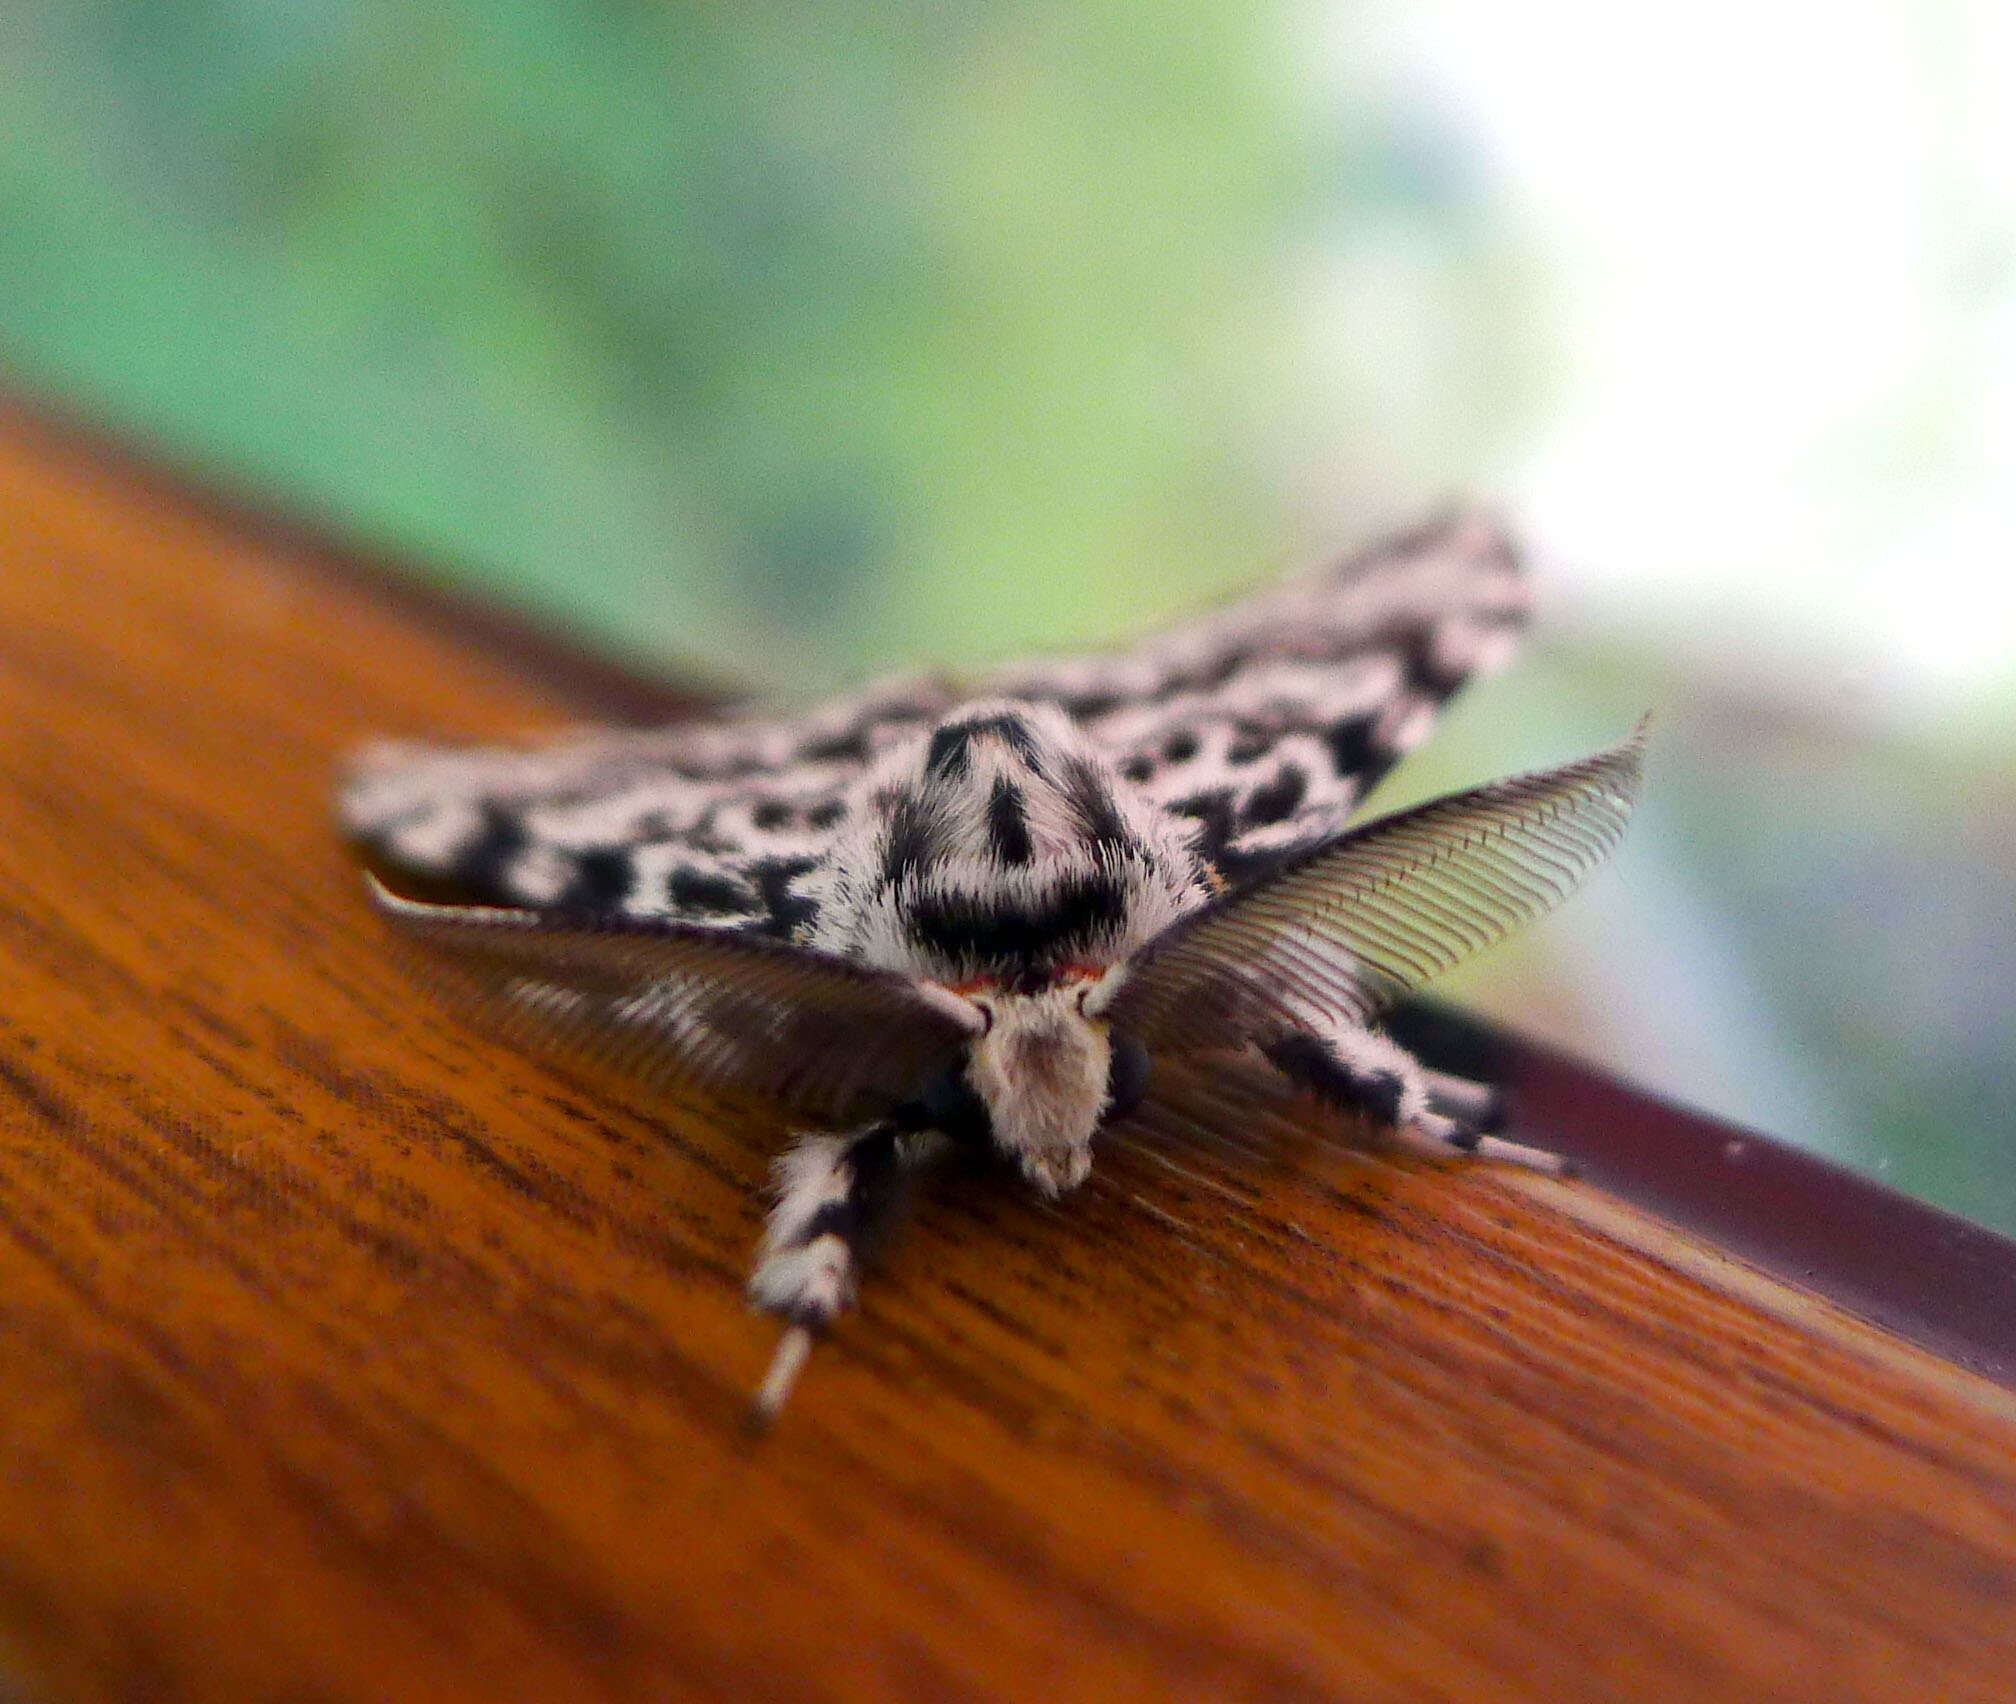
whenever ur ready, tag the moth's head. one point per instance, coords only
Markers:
(1044, 1069)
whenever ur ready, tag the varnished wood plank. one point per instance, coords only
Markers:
(1933, 1278)
(351, 1357)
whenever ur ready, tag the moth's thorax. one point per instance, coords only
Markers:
(1002, 845)
(1043, 1069)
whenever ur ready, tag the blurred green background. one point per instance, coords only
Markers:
(777, 345)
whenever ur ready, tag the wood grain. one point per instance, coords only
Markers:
(351, 1357)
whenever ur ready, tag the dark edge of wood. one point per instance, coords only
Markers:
(1923, 1274)
(1928, 1276)
(604, 687)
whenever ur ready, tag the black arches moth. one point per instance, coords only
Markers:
(922, 917)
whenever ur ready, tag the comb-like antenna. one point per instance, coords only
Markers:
(1349, 927)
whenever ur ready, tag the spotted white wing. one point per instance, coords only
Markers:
(1267, 722)
(1263, 723)
(1349, 927)
(721, 825)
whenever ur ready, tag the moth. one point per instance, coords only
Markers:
(926, 918)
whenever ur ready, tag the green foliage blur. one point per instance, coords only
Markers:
(773, 342)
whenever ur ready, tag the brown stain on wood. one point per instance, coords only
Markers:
(351, 1357)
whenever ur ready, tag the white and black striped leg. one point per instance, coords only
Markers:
(1361, 1070)
(834, 1195)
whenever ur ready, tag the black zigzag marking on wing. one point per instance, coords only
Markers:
(1265, 724)
(728, 857)
(709, 823)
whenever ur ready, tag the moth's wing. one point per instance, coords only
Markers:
(1265, 723)
(668, 1002)
(1351, 926)
(1268, 721)
(717, 824)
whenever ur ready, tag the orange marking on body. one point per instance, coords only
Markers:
(1082, 972)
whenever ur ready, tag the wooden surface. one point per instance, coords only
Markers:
(349, 1357)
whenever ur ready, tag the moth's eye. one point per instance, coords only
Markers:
(948, 1104)
(1127, 1077)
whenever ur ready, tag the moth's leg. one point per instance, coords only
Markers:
(1360, 1070)
(835, 1194)
(1479, 1105)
